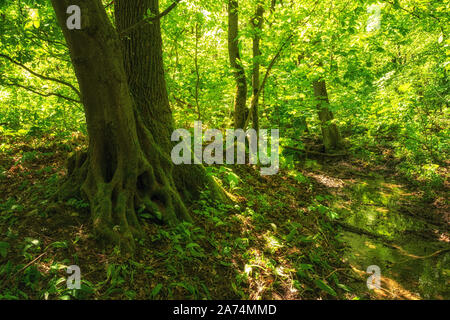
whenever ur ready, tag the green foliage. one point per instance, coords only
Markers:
(322, 285)
(388, 90)
(4, 246)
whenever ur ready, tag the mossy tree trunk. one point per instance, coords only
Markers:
(240, 101)
(257, 23)
(330, 132)
(127, 166)
(143, 60)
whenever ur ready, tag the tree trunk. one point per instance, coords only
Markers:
(144, 66)
(257, 23)
(142, 54)
(127, 167)
(240, 102)
(330, 132)
(197, 73)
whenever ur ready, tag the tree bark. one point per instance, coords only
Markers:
(127, 167)
(257, 23)
(142, 56)
(143, 59)
(240, 101)
(330, 132)
(197, 72)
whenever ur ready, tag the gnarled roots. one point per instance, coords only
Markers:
(120, 185)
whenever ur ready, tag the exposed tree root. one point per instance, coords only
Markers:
(127, 168)
(316, 153)
(360, 231)
(144, 182)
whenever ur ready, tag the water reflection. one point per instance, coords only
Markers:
(413, 265)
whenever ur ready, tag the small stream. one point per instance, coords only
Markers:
(410, 251)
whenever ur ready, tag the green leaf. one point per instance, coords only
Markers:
(59, 244)
(343, 286)
(4, 248)
(156, 290)
(306, 239)
(322, 285)
(301, 271)
(192, 245)
(291, 235)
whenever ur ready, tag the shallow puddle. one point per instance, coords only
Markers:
(413, 262)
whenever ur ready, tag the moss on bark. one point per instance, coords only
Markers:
(127, 167)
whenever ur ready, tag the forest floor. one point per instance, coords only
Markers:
(306, 233)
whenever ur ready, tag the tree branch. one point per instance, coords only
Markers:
(396, 4)
(46, 94)
(316, 153)
(280, 50)
(275, 59)
(150, 19)
(40, 75)
(189, 105)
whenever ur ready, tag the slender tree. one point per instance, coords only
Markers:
(240, 107)
(257, 22)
